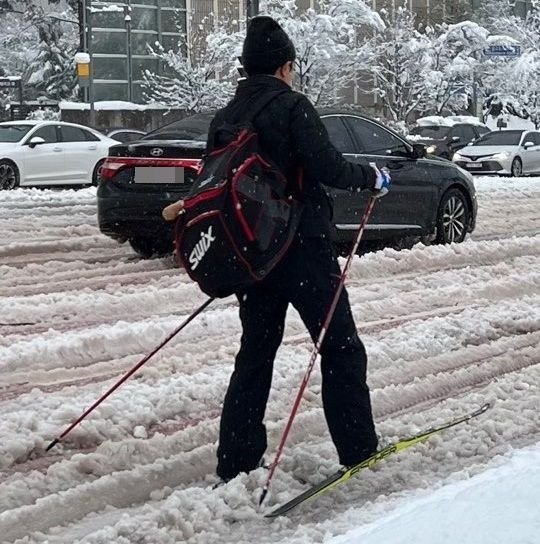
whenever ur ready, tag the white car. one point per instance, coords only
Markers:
(503, 152)
(48, 153)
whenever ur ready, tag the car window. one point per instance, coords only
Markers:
(48, 133)
(527, 137)
(73, 134)
(375, 140)
(430, 132)
(192, 128)
(14, 133)
(467, 134)
(482, 130)
(536, 138)
(125, 137)
(339, 135)
(500, 137)
(90, 137)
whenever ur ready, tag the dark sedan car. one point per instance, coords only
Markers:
(430, 198)
(445, 140)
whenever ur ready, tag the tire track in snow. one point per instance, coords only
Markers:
(389, 400)
(135, 485)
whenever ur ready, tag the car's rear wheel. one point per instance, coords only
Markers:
(517, 167)
(97, 172)
(9, 175)
(150, 247)
(453, 217)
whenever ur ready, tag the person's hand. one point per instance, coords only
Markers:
(382, 181)
(172, 211)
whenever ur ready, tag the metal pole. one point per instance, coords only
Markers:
(252, 8)
(127, 20)
(474, 95)
(84, 44)
(88, 34)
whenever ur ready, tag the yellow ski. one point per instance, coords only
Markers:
(345, 474)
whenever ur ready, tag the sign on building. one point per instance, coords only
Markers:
(503, 51)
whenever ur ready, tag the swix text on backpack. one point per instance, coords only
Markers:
(200, 249)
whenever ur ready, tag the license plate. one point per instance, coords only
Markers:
(159, 174)
(474, 165)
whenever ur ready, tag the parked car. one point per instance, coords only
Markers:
(50, 153)
(503, 152)
(125, 135)
(443, 136)
(430, 197)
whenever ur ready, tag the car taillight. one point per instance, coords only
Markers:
(113, 165)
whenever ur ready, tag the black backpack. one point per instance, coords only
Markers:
(241, 214)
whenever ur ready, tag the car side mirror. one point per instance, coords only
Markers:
(36, 140)
(419, 151)
(528, 144)
(456, 139)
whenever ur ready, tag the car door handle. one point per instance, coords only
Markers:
(92, 147)
(57, 149)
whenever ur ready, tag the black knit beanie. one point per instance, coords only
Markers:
(266, 47)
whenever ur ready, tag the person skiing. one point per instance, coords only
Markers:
(292, 134)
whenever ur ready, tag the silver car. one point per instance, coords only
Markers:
(503, 152)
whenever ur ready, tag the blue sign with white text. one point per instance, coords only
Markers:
(503, 51)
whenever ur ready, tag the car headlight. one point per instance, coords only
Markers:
(431, 149)
(457, 157)
(501, 156)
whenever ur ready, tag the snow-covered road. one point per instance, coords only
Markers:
(446, 328)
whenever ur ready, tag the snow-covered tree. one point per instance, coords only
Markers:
(52, 71)
(198, 74)
(39, 45)
(455, 65)
(401, 60)
(514, 82)
(333, 43)
(491, 12)
(329, 49)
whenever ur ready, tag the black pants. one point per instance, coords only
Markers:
(307, 278)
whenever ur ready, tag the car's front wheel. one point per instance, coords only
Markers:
(453, 217)
(9, 175)
(517, 167)
(150, 247)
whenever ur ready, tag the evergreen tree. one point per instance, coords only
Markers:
(52, 70)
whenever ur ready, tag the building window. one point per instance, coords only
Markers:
(163, 21)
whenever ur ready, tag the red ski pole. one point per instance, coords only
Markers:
(317, 348)
(129, 373)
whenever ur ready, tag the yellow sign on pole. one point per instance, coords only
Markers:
(83, 70)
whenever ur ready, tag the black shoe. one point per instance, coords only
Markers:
(362, 456)
(223, 481)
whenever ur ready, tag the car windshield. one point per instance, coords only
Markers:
(192, 128)
(432, 132)
(14, 133)
(500, 137)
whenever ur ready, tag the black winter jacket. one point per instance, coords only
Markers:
(292, 134)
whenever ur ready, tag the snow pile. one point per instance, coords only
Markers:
(498, 505)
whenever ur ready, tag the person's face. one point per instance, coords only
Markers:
(286, 73)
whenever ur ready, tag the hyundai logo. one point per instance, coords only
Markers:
(156, 152)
